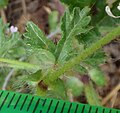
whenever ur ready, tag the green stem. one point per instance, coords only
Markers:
(87, 52)
(18, 64)
(91, 95)
(3, 16)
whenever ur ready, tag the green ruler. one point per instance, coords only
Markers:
(11, 102)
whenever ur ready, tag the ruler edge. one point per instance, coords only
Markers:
(77, 103)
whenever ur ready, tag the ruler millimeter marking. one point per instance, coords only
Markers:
(11, 102)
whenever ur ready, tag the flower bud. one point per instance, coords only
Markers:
(75, 85)
(97, 76)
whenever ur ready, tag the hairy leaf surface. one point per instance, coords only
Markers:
(36, 39)
(71, 27)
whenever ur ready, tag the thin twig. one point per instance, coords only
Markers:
(69, 93)
(10, 75)
(24, 7)
(7, 79)
(111, 94)
(113, 100)
(3, 15)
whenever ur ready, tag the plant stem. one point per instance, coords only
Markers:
(19, 64)
(3, 16)
(10, 75)
(111, 94)
(24, 7)
(53, 75)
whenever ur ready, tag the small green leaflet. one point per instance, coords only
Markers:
(2, 35)
(80, 3)
(36, 39)
(43, 58)
(57, 90)
(97, 76)
(9, 42)
(71, 27)
(3, 3)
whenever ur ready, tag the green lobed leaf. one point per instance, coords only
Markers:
(3, 3)
(106, 24)
(80, 3)
(36, 77)
(2, 32)
(23, 85)
(96, 59)
(10, 43)
(80, 69)
(75, 85)
(35, 38)
(71, 26)
(90, 37)
(57, 90)
(97, 76)
(76, 48)
(43, 58)
(65, 28)
(87, 39)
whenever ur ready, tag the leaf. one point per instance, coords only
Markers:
(90, 37)
(57, 90)
(80, 69)
(91, 95)
(65, 28)
(75, 85)
(70, 1)
(40, 91)
(36, 39)
(96, 59)
(3, 3)
(87, 39)
(76, 48)
(106, 24)
(23, 85)
(80, 3)
(2, 32)
(97, 76)
(9, 42)
(71, 27)
(98, 12)
(43, 58)
(36, 77)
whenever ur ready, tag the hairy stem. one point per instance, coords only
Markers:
(18, 64)
(53, 75)
(9, 76)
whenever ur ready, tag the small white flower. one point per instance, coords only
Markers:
(108, 11)
(13, 29)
